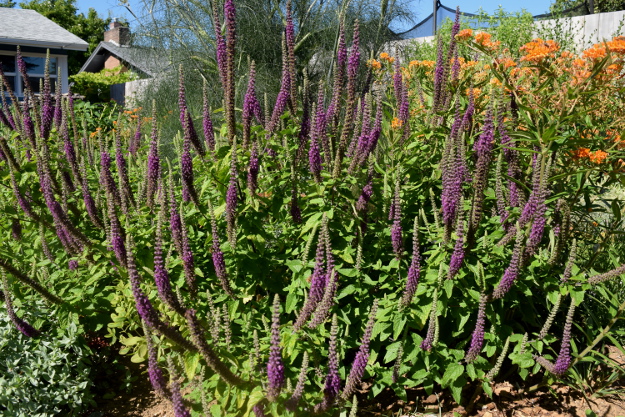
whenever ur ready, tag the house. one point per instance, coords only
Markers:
(117, 51)
(35, 35)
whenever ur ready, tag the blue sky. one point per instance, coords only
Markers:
(420, 8)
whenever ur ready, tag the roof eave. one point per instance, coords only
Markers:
(43, 44)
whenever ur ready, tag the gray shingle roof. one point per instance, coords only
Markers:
(29, 28)
(145, 60)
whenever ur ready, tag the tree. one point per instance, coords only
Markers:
(584, 6)
(89, 28)
(7, 3)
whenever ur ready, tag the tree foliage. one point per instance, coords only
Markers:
(600, 6)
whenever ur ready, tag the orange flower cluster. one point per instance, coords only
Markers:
(396, 123)
(375, 64)
(599, 50)
(422, 64)
(386, 57)
(596, 157)
(538, 50)
(464, 35)
(483, 39)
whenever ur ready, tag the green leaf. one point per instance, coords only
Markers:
(256, 396)
(191, 362)
(452, 373)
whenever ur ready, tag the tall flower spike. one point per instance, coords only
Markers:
(128, 199)
(106, 179)
(314, 153)
(275, 366)
(186, 119)
(136, 140)
(186, 169)
(551, 317)
(218, 256)
(154, 162)
(180, 409)
(211, 358)
(495, 370)
(396, 229)
(428, 342)
(282, 99)
(457, 256)
(188, 264)
(362, 357)
(232, 199)
(47, 109)
(161, 277)
(512, 271)
(21, 325)
(251, 105)
(146, 310)
(477, 339)
(412, 282)
(332, 386)
(291, 403)
(252, 170)
(175, 223)
(155, 373)
(207, 122)
(317, 281)
(563, 361)
(483, 147)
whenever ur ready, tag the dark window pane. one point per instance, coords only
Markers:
(11, 80)
(8, 63)
(37, 65)
(36, 83)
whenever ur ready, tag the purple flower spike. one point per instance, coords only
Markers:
(458, 255)
(563, 361)
(415, 267)
(251, 105)
(365, 197)
(218, 258)
(186, 170)
(207, 123)
(332, 386)
(362, 357)
(275, 366)
(232, 200)
(477, 339)
(154, 163)
(180, 410)
(161, 277)
(398, 84)
(136, 142)
(106, 178)
(512, 271)
(314, 153)
(188, 263)
(252, 171)
(396, 229)
(21, 325)
(154, 371)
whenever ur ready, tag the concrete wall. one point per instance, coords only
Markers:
(589, 29)
(127, 94)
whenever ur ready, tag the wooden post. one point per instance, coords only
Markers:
(591, 6)
(435, 8)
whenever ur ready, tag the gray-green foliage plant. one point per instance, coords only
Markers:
(46, 376)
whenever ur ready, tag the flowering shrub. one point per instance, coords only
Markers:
(421, 229)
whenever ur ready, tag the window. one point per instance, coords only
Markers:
(35, 67)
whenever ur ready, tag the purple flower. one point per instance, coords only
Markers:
(563, 361)
(365, 197)
(396, 229)
(291, 403)
(296, 212)
(314, 153)
(232, 201)
(333, 380)
(207, 123)
(512, 271)
(186, 171)
(161, 277)
(281, 101)
(275, 366)
(251, 105)
(154, 371)
(175, 223)
(116, 235)
(186, 120)
(317, 283)
(362, 357)
(188, 264)
(73, 264)
(136, 142)
(252, 170)
(412, 282)
(458, 255)
(180, 410)
(21, 325)
(477, 339)
(122, 172)
(154, 163)
(106, 178)
(218, 259)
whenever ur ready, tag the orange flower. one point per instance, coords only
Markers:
(597, 51)
(464, 34)
(386, 57)
(375, 64)
(483, 38)
(396, 123)
(537, 50)
(598, 156)
(581, 153)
